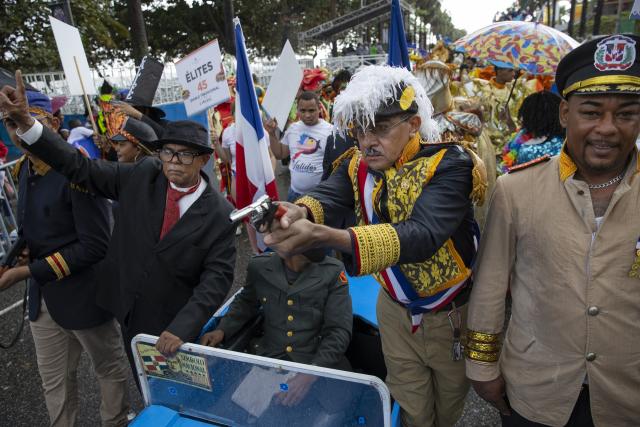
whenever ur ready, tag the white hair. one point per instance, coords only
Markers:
(374, 86)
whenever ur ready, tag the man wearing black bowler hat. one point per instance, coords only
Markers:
(171, 257)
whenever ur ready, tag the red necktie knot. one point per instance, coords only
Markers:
(172, 208)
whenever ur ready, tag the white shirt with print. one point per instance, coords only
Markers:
(306, 147)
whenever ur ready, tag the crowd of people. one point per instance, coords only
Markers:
(390, 170)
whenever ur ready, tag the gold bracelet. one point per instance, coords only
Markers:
(482, 357)
(482, 336)
(484, 347)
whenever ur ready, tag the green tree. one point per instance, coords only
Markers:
(27, 41)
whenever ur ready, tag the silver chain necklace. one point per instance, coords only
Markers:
(606, 184)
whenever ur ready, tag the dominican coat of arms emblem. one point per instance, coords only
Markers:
(615, 53)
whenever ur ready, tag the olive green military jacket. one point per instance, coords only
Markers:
(308, 321)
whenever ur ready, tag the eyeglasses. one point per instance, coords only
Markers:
(184, 157)
(380, 131)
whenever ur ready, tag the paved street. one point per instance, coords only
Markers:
(21, 398)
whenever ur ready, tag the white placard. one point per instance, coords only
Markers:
(635, 11)
(71, 51)
(283, 86)
(202, 78)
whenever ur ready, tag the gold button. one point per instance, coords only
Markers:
(290, 333)
(289, 349)
(290, 318)
(289, 302)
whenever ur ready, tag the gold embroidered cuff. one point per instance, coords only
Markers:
(482, 337)
(377, 247)
(485, 347)
(480, 356)
(314, 206)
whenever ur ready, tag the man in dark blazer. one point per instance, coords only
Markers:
(170, 262)
(66, 231)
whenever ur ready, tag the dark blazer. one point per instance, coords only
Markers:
(152, 285)
(308, 321)
(67, 232)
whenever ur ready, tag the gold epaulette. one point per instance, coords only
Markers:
(530, 163)
(479, 174)
(77, 187)
(15, 171)
(346, 155)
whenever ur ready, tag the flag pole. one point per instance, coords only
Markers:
(86, 98)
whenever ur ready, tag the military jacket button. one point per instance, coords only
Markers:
(289, 302)
(593, 310)
(591, 357)
(290, 318)
(289, 349)
(290, 333)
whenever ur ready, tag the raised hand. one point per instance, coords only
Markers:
(14, 105)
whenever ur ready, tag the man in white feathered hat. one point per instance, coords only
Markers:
(413, 201)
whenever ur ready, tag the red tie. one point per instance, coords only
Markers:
(172, 210)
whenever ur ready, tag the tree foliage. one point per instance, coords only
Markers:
(521, 10)
(27, 41)
(175, 27)
(441, 25)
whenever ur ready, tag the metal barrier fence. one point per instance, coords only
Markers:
(8, 207)
(352, 62)
(169, 90)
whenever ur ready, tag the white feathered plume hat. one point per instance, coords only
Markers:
(377, 91)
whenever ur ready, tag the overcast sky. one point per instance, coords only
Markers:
(472, 15)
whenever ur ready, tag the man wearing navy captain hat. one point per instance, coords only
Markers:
(563, 236)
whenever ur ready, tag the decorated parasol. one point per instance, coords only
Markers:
(529, 46)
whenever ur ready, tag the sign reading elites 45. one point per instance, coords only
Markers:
(202, 78)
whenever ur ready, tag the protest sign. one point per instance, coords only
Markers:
(145, 83)
(202, 78)
(73, 58)
(283, 86)
(635, 10)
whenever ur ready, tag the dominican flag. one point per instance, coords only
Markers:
(398, 51)
(254, 174)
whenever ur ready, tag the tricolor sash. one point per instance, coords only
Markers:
(393, 279)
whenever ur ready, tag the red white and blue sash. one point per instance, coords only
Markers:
(395, 282)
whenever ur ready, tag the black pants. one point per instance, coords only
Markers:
(580, 417)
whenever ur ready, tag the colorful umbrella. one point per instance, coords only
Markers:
(530, 46)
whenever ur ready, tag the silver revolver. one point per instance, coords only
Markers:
(261, 212)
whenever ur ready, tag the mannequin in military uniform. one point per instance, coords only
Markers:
(307, 314)
(302, 301)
